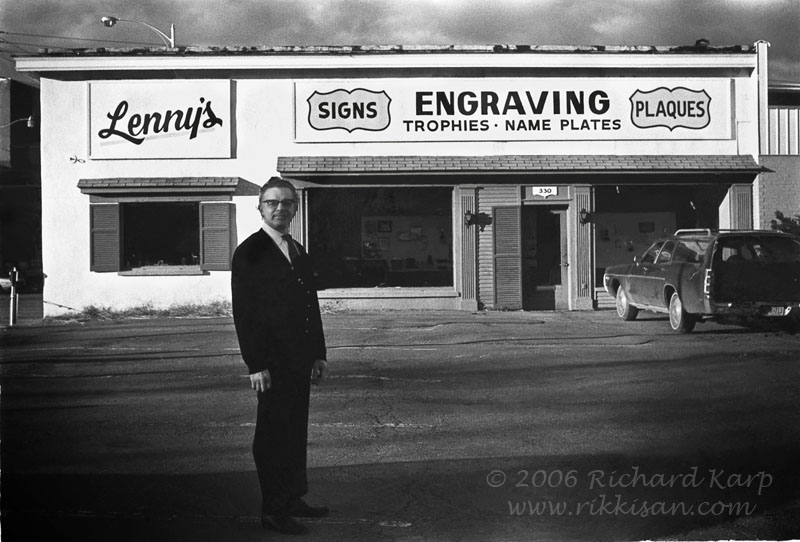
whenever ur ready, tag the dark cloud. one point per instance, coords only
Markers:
(431, 22)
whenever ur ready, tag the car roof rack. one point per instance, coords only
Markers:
(697, 231)
(754, 232)
(708, 231)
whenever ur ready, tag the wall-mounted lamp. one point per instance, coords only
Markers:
(30, 120)
(469, 218)
(477, 219)
(584, 216)
(169, 41)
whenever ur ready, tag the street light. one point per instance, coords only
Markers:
(30, 120)
(109, 21)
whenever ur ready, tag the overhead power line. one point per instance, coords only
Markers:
(68, 38)
(30, 44)
(15, 45)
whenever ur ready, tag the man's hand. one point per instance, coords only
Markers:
(319, 371)
(261, 381)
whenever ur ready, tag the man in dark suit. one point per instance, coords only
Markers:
(278, 324)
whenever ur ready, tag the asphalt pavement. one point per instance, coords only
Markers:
(433, 426)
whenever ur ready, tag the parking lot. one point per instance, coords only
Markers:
(437, 426)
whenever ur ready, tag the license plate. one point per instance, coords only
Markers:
(776, 311)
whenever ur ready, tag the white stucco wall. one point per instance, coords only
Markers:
(264, 110)
(65, 210)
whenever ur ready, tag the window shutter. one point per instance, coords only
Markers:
(104, 237)
(217, 235)
(507, 258)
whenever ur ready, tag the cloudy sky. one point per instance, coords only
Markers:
(411, 22)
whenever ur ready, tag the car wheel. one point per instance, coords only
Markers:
(624, 308)
(679, 319)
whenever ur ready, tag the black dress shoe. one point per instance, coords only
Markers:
(282, 524)
(303, 510)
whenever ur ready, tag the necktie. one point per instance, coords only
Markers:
(293, 252)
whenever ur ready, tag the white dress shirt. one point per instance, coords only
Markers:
(278, 238)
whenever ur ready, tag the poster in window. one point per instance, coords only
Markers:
(647, 227)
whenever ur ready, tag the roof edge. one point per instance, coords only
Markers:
(258, 50)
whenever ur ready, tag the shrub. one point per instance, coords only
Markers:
(190, 310)
(785, 223)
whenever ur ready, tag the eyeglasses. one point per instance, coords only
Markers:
(273, 203)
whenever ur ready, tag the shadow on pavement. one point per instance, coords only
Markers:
(510, 498)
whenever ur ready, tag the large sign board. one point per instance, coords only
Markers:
(512, 109)
(160, 119)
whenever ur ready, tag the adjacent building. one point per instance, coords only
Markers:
(20, 206)
(503, 177)
(778, 188)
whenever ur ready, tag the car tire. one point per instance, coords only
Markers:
(679, 319)
(624, 309)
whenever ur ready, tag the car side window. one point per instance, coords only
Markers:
(665, 254)
(652, 252)
(685, 253)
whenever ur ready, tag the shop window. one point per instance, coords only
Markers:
(158, 234)
(161, 237)
(381, 237)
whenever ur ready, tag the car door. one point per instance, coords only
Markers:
(638, 281)
(657, 275)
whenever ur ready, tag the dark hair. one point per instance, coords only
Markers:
(277, 182)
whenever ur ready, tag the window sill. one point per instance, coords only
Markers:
(163, 270)
(389, 292)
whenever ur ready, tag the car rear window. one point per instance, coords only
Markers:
(763, 249)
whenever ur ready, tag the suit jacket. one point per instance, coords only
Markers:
(275, 307)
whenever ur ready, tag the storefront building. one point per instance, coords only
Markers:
(502, 177)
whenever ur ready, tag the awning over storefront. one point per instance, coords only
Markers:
(317, 168)
(118, 185)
